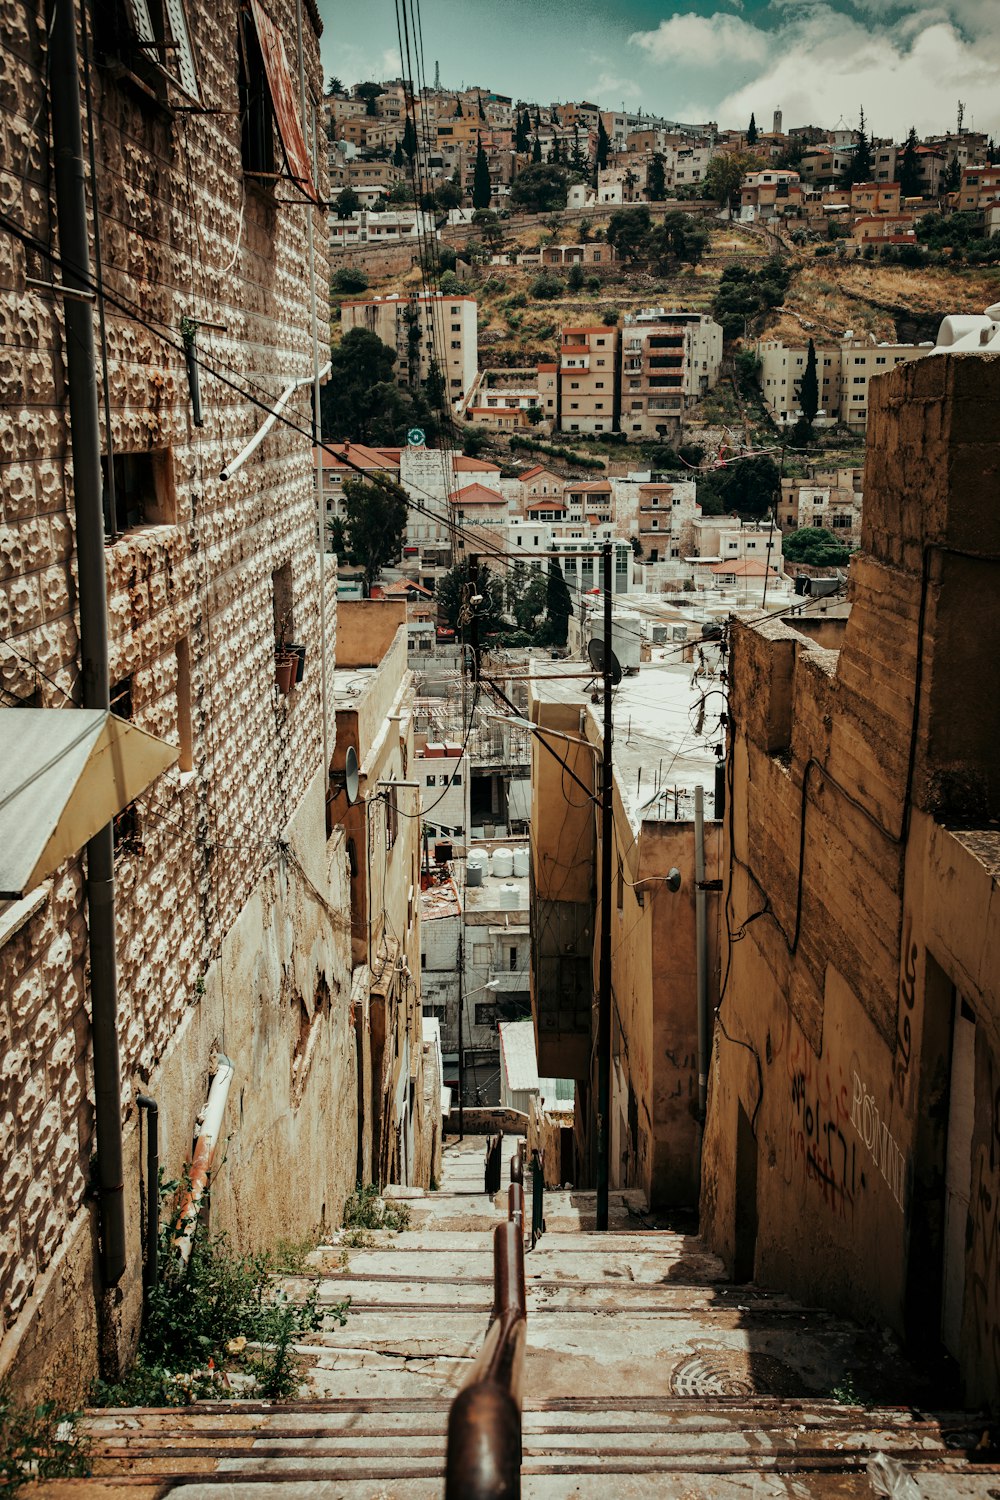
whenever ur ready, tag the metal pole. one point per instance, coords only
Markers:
(701, 947)
(85, 442)
(474, 618)
(152, 1189)
(461, 1059)
(604, 993)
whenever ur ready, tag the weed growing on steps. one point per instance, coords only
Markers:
(38, 1442)
(846, 1393)
(366, 1210)
(219, 1326)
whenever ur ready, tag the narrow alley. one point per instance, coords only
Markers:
(646, 1374)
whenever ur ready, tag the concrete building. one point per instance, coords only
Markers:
(659, 758)
(848, 1156)
(668, 361)
(833, 501)
(423, 328)
(228, 944)
(373, 695)
(588, 379)
(773, 193)
(843, 372)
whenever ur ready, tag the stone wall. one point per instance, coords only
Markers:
(231, 904)
(861, 927)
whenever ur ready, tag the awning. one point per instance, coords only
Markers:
(64, 774)
(279, 81)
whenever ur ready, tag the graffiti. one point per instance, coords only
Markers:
(874, 1131)
(684, 1063)
(904, 1032)
(818, 1141)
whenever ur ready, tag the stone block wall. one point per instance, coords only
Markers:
(232, 906)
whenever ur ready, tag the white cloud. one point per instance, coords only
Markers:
(703, 41)
(904, 64)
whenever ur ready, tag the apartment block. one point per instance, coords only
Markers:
(423, 328)
(588, 379)
(669, 360)
(843, 372)
(833, 501)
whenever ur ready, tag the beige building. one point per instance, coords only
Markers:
(842, 371)
(850, 1155)
(373, 696)
(423, 328)
(830, 500)
(654, 1129)
(668, 361)
(228, 886)
(587, 384)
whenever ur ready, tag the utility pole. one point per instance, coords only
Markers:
(474, 613)
(604, 992)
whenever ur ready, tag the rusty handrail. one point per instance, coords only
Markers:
(484, 1424)
(537, 1196)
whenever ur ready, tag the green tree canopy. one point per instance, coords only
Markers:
(536, 152)
(346, 203)
(603, 145)
(558, 606)
(908, 167)
(333, 86)
(748, 486)
(370, 93)
(374, 523)
(361, 403)
(540, 188)
(816, 546)
(752, 131)
(860, 168)
(627, 231)
(453, 594)
(725, 173)
(410, 138)
(678, 237)
(656, 178)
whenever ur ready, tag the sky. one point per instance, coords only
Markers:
(905, 62)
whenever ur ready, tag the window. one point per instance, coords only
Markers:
(430, 781)
(152, 38)
(456, 780)
(456, 328)
(143, 492)
(481, 954)
(486, 1014)
(600, 364)
(256, 113)
(456, 343)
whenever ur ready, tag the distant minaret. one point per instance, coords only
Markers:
(776, 126)
(437, 76)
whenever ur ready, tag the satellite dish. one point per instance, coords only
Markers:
(595, 650)
(347, 780)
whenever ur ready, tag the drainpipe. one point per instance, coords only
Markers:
(207, 1138)
(85, 442)
(152, 1190)
(272, 416)
(701, 944)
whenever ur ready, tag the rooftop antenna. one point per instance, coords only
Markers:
(961, 115)
(437, 76)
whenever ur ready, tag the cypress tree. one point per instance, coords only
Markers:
(809, 388)
(908, 167)
(410, 138)
(482, 112)
(603, 145)
(752, 131)
(558, 605)
(482, 187)
(536, 151)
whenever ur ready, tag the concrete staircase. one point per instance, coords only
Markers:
(646, 1375)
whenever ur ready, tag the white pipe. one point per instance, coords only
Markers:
(206, 1139)
(272, 417)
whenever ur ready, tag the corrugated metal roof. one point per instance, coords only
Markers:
(517, 1045)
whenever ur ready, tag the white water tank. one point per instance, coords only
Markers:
(520, 861)
(510, 896)
(503, 864)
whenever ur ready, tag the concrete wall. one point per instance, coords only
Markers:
(869, 939)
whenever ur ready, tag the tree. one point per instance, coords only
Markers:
(536, 151)
(558, 606)
(374, 523)
(816, 546)
(482, 112)
(752, 131)
(627, 231)
(349, 279)
(482, 187)
(603, 145)
(410, 138)
(860, 166)
(540, 188)
(370, 93)
(574, 280)
(490, 226)
(809, 388)
(521, 133)
(908, 167)
(745, 485)
(724, 176)
(347, 203)
(333, 86)
(953, 176)
(361, 402)
(398, 159)
(531, 599)
(676, 238)
(656, 178)
(401, 192)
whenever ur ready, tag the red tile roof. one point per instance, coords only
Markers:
(463, 465)
(476, 494)
(358, 456)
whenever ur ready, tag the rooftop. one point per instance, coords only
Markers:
(440, 901)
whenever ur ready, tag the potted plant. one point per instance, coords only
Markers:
(286, 660)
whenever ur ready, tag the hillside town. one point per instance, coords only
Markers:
(499, 789)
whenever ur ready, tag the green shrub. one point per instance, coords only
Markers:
(545, 287)
(38, 1442)
(349, 279)
(367, 1209)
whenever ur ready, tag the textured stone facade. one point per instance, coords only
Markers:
(851, 1148)
(232, 904)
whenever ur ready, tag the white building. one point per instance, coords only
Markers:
(422, 328)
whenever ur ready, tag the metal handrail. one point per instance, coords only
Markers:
(537, 1196)
(484, 1424)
